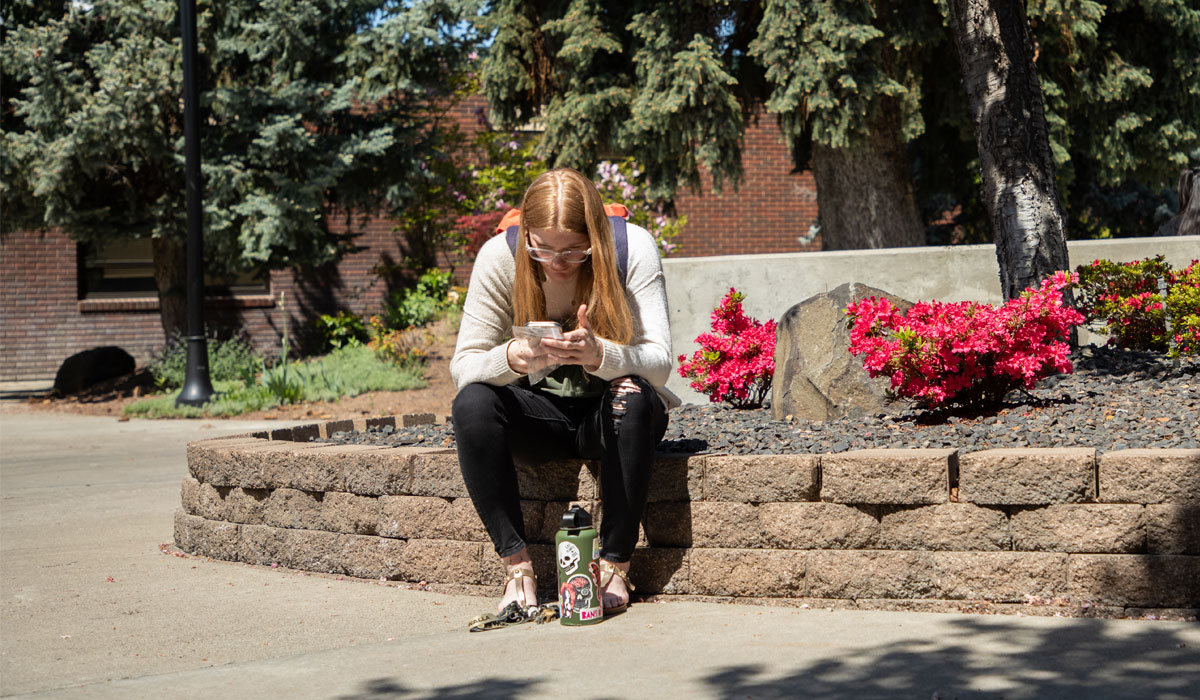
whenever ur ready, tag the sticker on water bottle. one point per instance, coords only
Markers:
(568, 557)
(596, 547)
(575, 596)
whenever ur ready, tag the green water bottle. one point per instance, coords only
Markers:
(577, 545)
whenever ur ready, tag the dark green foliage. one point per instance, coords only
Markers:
(340, 329)
(420, 304)
(668, 82)
(92, 132)
(675, 83)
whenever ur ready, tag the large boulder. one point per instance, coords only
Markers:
(816, 377)
(90, 367)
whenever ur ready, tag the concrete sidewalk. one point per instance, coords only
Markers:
(93, 608)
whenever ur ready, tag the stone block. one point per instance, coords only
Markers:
(269, 465)
(885, 476)
(362, 425)
(677, 478)
(329, 428)
(747, 572)
(1139, 580)
(427, 517)
(437, 474)
(409, 420)
(245, 506)
(365, 556)
(725, 525)
(818, 526)
(660, 570)
(206, 538)
(760, 478)
(262, 544)
(1028, 476)
(1000, 577)
(668, 524)
(870, 574)
(1083, 528)
(441, 561)
(213, 461)
(293, 508)
(305, 433)
(1172, 529)
(1150, 476)
(313, 550)
(350, 513)
(371, 471)
(557, 480)
(322, 467)
(946, 526)
(189, 493)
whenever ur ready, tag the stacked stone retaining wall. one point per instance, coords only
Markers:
(1038, 530)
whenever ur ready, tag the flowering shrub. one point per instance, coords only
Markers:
(1124, 301)
(966, 352)
(1143, 304)
(622, 182)
(735, 363)
(406, 347)
(1183, 308)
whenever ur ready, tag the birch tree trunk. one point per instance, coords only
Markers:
(1005, 98)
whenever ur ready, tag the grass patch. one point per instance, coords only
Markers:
(347, 371)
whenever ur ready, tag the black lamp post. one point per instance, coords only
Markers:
(197, 387)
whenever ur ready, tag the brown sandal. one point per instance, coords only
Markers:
(607, 571)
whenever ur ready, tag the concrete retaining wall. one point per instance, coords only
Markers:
(774, 283)
(1062, 530)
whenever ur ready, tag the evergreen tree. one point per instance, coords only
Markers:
(870, 95)
(308, 108)
(668, 83)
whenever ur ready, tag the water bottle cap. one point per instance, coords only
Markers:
(576, 518)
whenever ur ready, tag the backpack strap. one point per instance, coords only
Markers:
(620, 239)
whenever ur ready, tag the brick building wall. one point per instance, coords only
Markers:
(771, 210)
(43, 321)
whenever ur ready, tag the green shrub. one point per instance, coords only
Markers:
(339, 330)
(419, 305)
(228, 360)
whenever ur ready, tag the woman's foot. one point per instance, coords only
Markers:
(615, 587)
(520, 583)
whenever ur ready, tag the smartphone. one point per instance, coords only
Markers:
(542, 329)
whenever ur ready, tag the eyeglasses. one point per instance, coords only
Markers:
(545, 255)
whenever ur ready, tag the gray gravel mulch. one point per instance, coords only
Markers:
(1115, 399)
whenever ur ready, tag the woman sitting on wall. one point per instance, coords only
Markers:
(596, 393)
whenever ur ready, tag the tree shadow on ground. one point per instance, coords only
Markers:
(485, 689)
(993, 658)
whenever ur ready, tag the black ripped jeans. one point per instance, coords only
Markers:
(498, 426)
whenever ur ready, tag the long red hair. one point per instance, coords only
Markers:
(564, 200)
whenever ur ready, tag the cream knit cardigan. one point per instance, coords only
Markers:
(481, 354)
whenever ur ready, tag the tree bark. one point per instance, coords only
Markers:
(865, 193)
(995, 50)
(170, 276)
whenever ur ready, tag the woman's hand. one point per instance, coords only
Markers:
(526, 355)
(577, 347)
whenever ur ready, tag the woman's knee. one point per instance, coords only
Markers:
(475, 405)
(631, 397)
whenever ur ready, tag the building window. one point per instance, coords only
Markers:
(124, 269)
